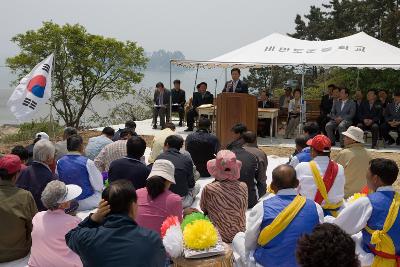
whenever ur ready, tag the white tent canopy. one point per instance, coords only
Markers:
(359, 50)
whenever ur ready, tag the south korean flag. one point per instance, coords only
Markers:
(32, 91)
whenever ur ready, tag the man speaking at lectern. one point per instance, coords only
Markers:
(235, 85)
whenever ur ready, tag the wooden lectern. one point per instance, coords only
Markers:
(234, 108)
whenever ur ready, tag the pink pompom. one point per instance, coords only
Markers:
(169, 221)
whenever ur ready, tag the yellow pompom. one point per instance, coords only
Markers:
(200, 234)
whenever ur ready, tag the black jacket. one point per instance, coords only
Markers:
(183, 171)
(34, 179)
(241, 87)
(325, 106)
(166, 97)
(199, 100)
(373, 113)
(178, 97)
(267, 104)
(130, 169)
(391, 114)
(249, 175)
(202, 147)
(119, 241)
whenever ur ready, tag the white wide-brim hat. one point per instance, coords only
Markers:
(163, 168)
(355, 133)
(72, 191)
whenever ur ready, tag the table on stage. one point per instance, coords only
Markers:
(263, 113)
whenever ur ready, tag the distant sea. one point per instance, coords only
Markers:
(150, 79)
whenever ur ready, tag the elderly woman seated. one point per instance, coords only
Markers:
(51, 226)
(225, 200)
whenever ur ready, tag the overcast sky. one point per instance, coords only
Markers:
(201, 29)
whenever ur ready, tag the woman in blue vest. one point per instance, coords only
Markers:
(74, 168)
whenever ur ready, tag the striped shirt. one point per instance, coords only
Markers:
(109, 153)
(225, 203)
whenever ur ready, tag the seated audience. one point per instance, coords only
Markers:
(237, 130)
(61, 146)
(156, 202)
(130, 167)
(383, 98)
(370, 114)
(110, 237)
(250, 146)
(185, 185)
(303, 152)
(358, 100)
(202, 146)
(275, 224)
(38, 174)
(227, 211)
(311, 129)
(326, 246)
(256, 185)
(51, 226)
(322, 179)
(113, 151)
(342, 116)
(23, 155)
(325, 106)
(159, 140)
(355, 160)
(16, 212)
(201, 97)
(128, 125)
(178, 101)
(38, 136)
(161, 105)
(73, 168)
(96, 144)
(294, 110)
(285, 99)
(392, 120)
(376, 216)
(265, 124)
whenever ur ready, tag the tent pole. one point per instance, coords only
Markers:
(170, 87)
(226, 75)
(195, 79)
(302, 102)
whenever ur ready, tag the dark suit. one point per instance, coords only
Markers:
(347, 114)
(198, 100)
(263, 127)
(357, 118)
(391, 114)
(241, 87)
(325, 108)
(178, 97)
(163, 100)
(372, 112)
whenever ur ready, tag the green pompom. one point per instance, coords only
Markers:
(193, 217)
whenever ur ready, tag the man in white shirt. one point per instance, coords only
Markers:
(252, 248)
(324, 185)
(376, 216)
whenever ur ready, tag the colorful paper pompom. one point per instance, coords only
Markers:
(173, 241)
(200, 235)
(169, 221)
(193, 217)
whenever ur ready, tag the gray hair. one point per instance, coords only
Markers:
(52, 193)
(43, 150)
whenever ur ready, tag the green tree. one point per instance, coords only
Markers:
(87, 66)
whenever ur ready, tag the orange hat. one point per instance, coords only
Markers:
(320, 143)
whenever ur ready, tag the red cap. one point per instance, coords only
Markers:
(11, 163)
(320, 143)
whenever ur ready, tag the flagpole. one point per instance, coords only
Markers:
(51, 106)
